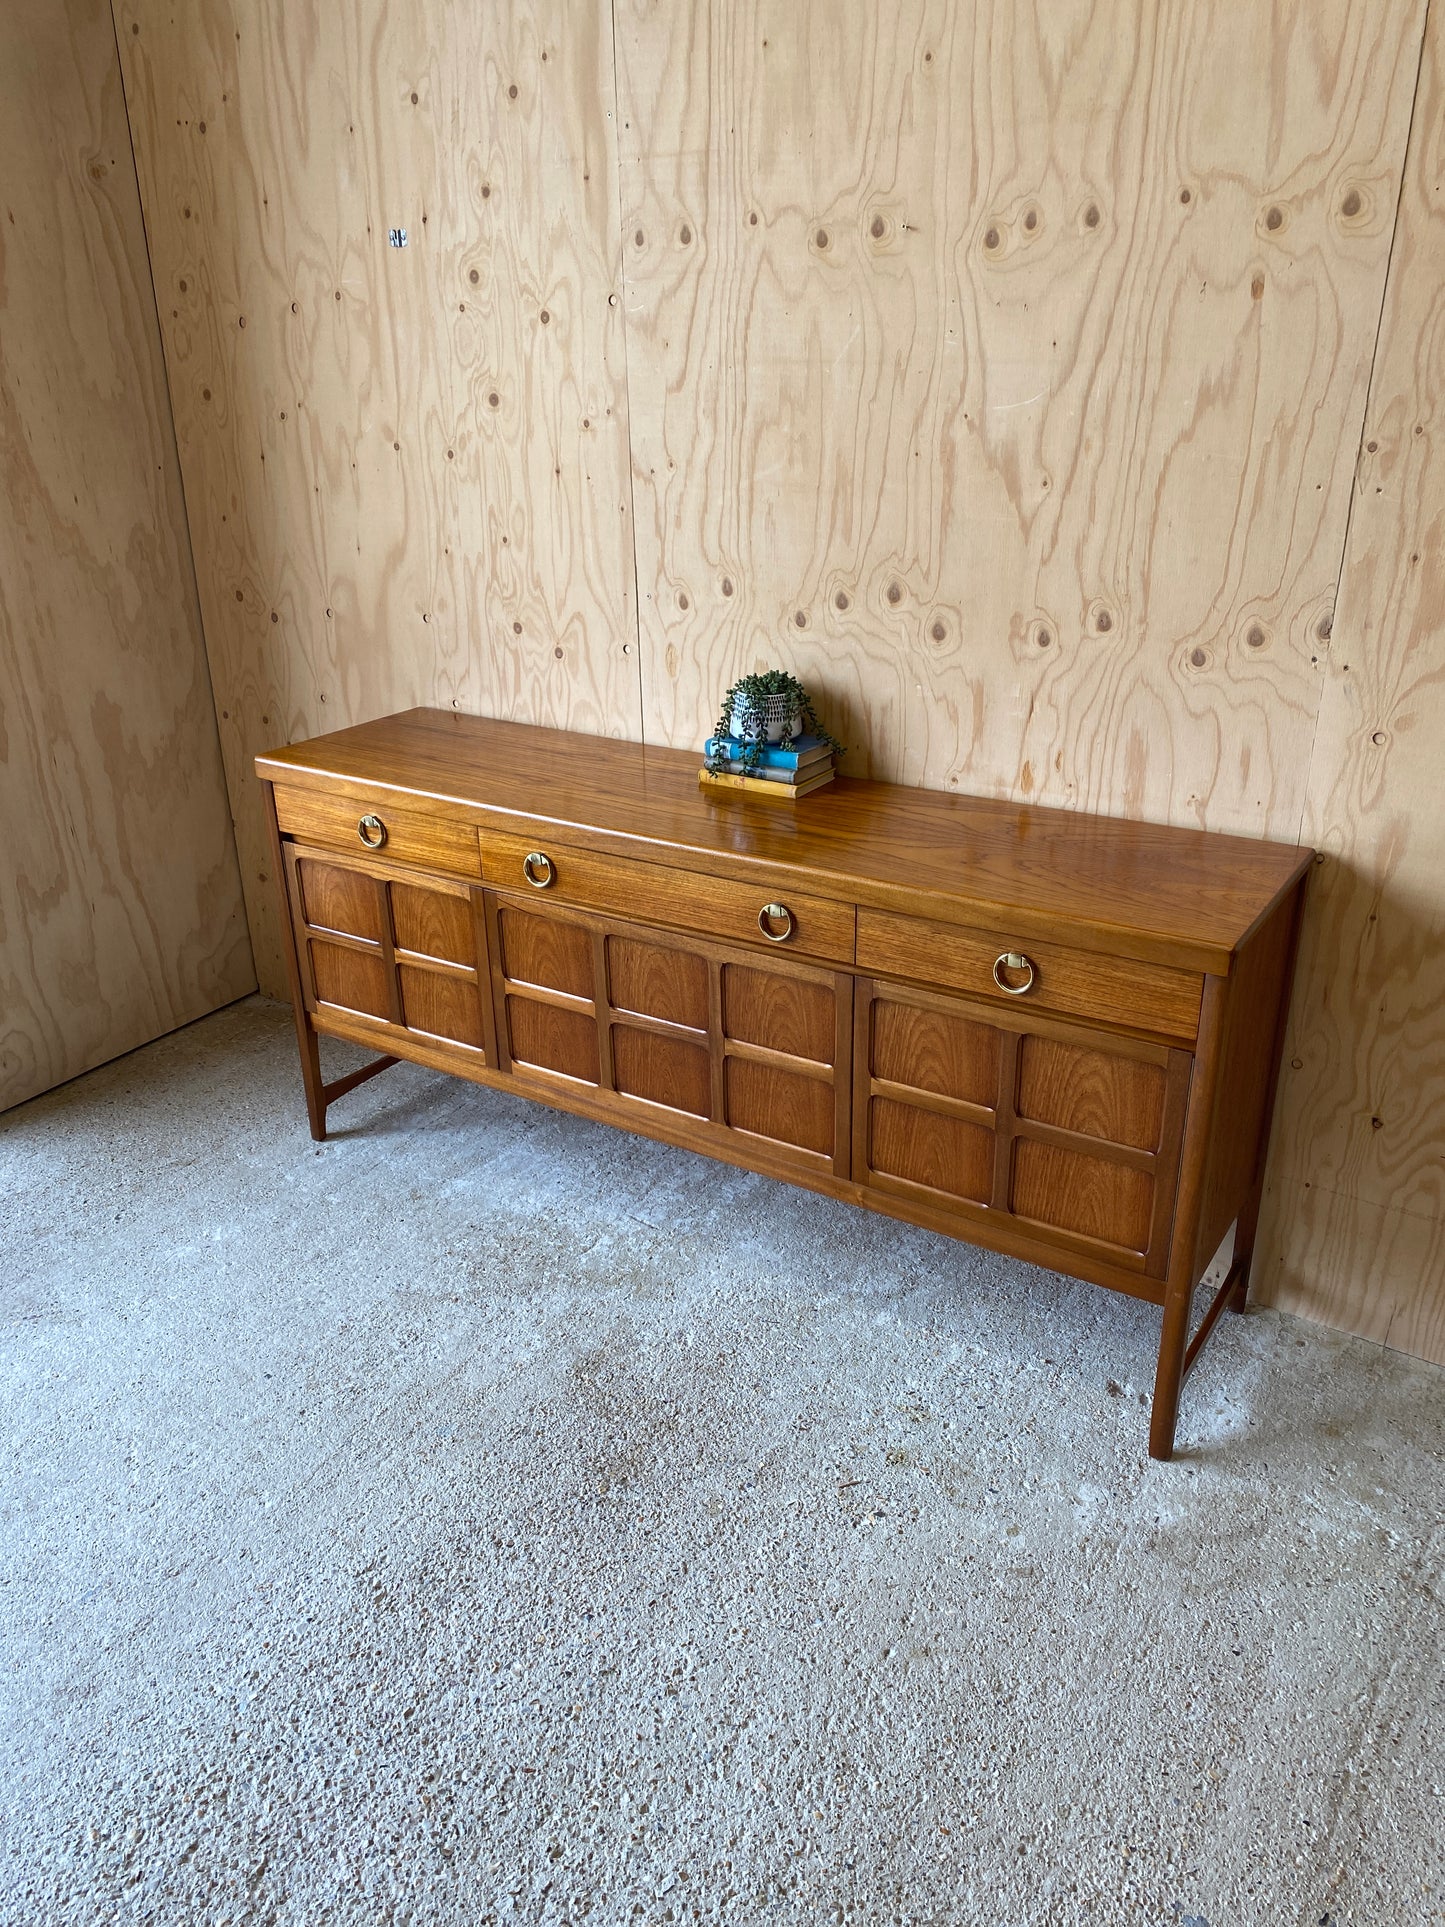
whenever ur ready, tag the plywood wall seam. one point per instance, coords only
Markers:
(1308, 789)
(170, 426)
(121, 914)
(621, 260)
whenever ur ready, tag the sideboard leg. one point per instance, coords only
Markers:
(1182, 1277)
(311, 1080)
(1245, 1228)
(1169, 1377)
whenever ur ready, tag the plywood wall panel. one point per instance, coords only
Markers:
(1356, 1232)
(120, 903)
(999, 367)
(406, 467)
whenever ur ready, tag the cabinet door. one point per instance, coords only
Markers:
(1072, 1133)
(391, 947)
(699, 1042)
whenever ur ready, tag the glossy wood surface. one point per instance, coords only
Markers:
(657, 892)
(378, 942)
(1043, 1122)
(406, 835)
(1080, 983)
(1142, 891)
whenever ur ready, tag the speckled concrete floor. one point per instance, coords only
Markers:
(492, 1517)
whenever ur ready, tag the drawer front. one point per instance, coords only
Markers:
(652, 893)
(1077, 983)
(404, 836)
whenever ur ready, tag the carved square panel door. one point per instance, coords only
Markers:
(699, 1042)
(978, 1111)
(391, 947)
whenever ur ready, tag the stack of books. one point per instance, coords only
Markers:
(781, 772)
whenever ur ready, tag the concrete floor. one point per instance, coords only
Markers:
(489, 1516)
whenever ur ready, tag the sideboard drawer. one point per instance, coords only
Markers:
(1078, 983)
(652, 892)
(404, 836)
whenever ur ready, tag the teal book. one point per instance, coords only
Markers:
(801, 753)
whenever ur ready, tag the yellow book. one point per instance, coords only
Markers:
(759, 786)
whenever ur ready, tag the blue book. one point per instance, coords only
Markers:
(802, 751)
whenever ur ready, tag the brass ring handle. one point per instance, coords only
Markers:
(537, 869)
(372, 832)
(772, 913)
(1013, 960)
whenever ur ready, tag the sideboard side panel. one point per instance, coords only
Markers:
(1254, 1021)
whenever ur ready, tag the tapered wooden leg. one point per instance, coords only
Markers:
(1245, 1228)
(311, 1079)
(1182, 1276)
(1169, 1376)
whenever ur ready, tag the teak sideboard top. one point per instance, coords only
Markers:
(1158, 894)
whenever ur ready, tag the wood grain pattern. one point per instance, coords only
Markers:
(1354, 1227)
(1092, 1091)
(998, 367)
(434, 923)
(352, 979)
(1094, 1197)
(542, 1037)
(1138, 996)
(777, 1104)
(663, 1070)
(334, 897)
(408, 836)
(406, 468)
(1181, 897)
(120, 902)
(549, 951)
(441, 1005)
(934, 1050)
(793, 1014)
(947, 1154)
(657, 980)
(709, 905)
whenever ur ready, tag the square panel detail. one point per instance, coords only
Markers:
(779, 1104)
(1095, 1092)
(665, 1070)
(930, 1148)
(441, 1004)
(1095, 1197)
(657, 980)
(934, 1050)
(433, 923)
(551, 1039)
(351, 979)
(334, 897)
(547, 951)
(781, 1012)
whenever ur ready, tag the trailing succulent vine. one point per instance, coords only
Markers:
(773, 696)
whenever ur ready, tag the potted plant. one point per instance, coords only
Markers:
(766, 709)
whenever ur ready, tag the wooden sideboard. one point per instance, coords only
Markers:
(1050, 1034)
